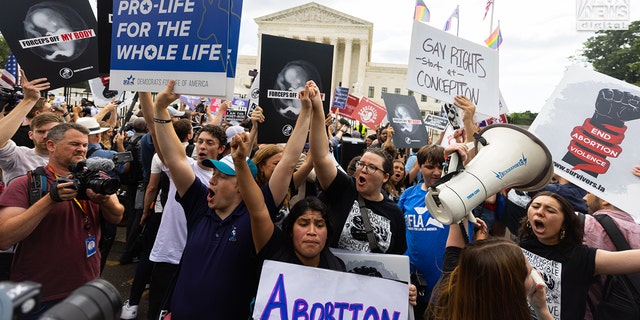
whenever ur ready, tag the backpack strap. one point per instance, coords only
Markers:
(364, 212)
(620, 242)
(613, 232)
(91, 151)
(37, 180)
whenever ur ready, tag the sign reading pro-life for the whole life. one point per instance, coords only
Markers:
(154, 41)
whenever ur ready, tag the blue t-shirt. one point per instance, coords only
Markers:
(426, 236)
(218, 277)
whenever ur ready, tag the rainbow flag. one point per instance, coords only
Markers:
(495, 39)
(422, 12)
(455, 14)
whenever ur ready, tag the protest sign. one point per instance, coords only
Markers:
(101, 93)
(52, 39)
(350, 105)
(435, 122)
(340, 98)
(187, 41)
(406, 121)
(238, 110)
(369, 113)
(287, 65)
(284, 293)
(387, 266)
(590, 125)
(442, 65)
(105, 10)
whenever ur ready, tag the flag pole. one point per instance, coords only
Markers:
(493, 5)
(458, 22)
(498, 48)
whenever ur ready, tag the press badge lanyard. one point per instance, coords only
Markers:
(90, 242)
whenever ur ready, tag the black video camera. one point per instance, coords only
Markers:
(95, 300)
(96, 179)
(9, 98)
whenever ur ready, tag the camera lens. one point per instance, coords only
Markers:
(97, 299)
(104, 185)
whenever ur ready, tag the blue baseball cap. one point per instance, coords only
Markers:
(225, 165)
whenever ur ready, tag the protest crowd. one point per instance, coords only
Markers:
(190, 182)
(205, 206)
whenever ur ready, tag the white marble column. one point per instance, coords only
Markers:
(362, 65)
(334, 76)
(346, 68)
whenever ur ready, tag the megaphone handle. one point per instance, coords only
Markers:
(471, 217)
(463, 232)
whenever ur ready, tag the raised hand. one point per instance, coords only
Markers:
(32, 88)
(257, 115)
(240, 146)
(305, 97)
(166, 96)
(468, 108)
(615, 107)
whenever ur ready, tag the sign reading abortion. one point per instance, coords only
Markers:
(284, 293)
(590, 124)
(443, 66)
(154, 41)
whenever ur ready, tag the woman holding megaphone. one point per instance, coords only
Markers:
(551, 238)
(486, 279)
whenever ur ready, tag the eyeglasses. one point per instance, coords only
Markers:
(368, 168)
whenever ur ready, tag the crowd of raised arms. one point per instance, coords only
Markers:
(205, 205)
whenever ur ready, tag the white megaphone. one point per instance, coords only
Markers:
(507, 157)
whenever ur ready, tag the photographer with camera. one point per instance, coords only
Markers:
(55, 214)
(121, 166)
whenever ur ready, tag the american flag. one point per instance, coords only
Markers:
(486, 9)
(10, 73)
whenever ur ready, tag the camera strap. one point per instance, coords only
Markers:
(37, 180)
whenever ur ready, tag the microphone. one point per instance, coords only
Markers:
(99, 164)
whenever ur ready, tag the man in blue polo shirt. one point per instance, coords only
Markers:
(217, 277)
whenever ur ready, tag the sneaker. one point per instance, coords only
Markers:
(129, 312)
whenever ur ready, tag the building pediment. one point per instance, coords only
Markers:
(312, 13)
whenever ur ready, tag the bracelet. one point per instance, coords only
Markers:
(65, 114)
(156, 120)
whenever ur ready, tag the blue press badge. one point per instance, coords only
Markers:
(90, 244)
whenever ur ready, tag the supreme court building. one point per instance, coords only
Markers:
(351, 39)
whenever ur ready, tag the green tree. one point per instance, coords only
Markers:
(615, 53)
(4, 51)
(522, 118)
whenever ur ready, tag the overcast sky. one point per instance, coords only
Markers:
(539, 36)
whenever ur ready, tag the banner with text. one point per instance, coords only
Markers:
(404, 116)
(52, 39)
(442, 66)
(350, 105)
(284, 293)
(369, 113)
(340, 97)
(590, 124)
(156, 40)
(287, 65)
(435, 122)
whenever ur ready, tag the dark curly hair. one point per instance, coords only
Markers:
(573, 228)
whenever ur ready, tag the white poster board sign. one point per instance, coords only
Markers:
(442, 66)
(591, 125)
(289, 291)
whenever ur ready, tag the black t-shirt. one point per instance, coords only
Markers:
(21, 137)
(386, 218)
(568, 272)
